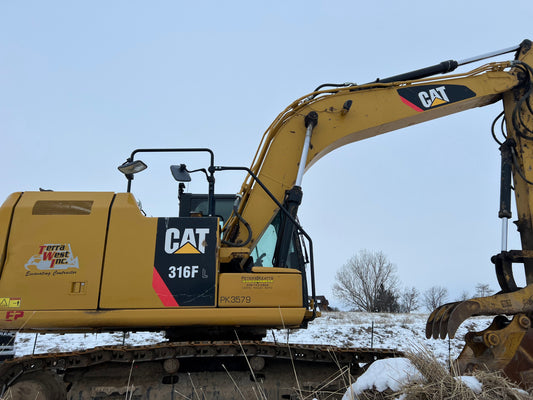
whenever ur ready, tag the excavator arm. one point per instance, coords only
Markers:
(517, 157)
(507, 344)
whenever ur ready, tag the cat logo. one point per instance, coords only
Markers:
(426, 97)
(191, 241)
(185, 261)
(433, 97)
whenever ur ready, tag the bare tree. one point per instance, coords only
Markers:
(464, 296)
(362, 282)
(410, 300)
(434, 297)
(483, 289)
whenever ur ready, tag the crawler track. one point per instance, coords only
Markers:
(188, 370)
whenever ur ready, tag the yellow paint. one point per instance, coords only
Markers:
(187, 248)
(84, 321)
(438, 102)
(261, 289)
(42, 286)
(129, 262)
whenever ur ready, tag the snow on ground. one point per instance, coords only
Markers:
(351, 329)
(25, 342)
(391, 374)
(394, 331)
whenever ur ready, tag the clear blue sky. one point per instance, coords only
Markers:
(82, 84)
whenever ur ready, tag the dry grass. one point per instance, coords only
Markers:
(496, 386)
(443, 385)
(439, 384)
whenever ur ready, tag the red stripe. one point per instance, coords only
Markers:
(414, 107)
(162, 291)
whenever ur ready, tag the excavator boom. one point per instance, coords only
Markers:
(353, 113)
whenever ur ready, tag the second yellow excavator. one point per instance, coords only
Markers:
(231, 266)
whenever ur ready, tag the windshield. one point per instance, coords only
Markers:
(198, 203)
(263, 253)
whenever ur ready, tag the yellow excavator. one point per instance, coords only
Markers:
(229, 267)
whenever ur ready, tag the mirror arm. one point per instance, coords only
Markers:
(210, 177)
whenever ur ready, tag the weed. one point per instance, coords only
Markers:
(439, 383)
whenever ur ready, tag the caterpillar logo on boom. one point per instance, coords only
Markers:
(433, 97)
(426, 97)
(189, 241)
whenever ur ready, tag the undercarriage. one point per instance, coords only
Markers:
(188, 370)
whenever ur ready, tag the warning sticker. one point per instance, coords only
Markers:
(257, 282)
(9, 302)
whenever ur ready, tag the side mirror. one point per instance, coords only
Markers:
(180, 173)
(132, 167)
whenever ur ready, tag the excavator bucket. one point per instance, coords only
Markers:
(506, 345)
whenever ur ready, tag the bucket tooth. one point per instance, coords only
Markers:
(458, 315)
(445, 321)
(438, 319)
(435, 321)
(430, 322)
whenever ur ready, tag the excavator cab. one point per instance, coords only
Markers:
(262, 258)
(192, 204)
